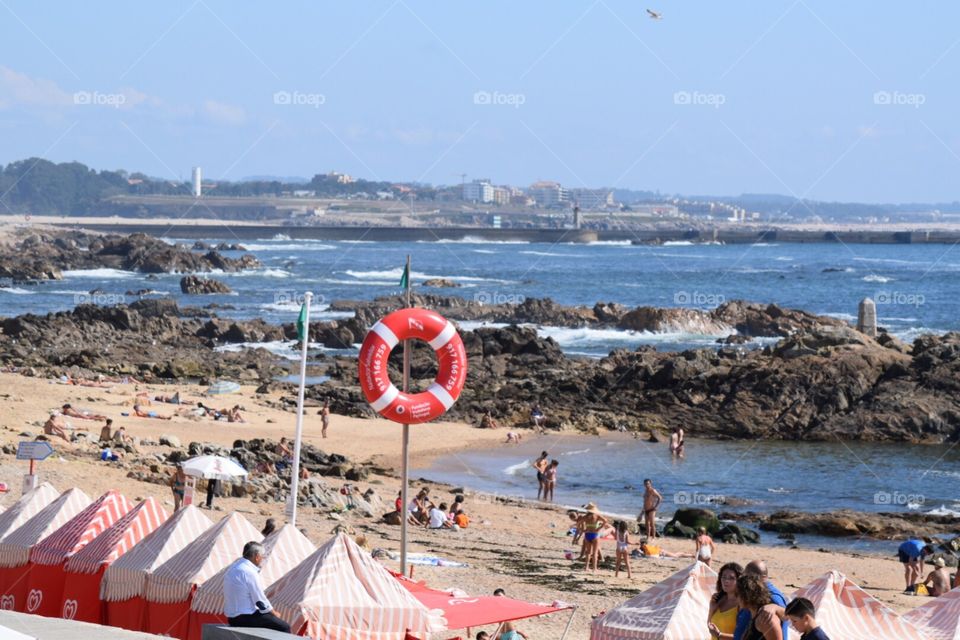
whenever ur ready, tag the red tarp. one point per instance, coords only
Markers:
(81, 596)
(473, 611)
(127, 614)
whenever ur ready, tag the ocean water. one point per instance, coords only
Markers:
(727, 476)
(916, 287)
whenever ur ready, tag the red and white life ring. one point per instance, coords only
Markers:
(383, 395)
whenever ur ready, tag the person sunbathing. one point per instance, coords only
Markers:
(140, 413)
(69, 411)
(54, 426)
(174, 399)
(233, 415)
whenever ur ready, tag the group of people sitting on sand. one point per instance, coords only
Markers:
(912, 554)
(424, 512)
(144, 400)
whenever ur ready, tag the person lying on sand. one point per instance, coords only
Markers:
(69, 411)
(141, 413)
(55, 426)
(653, 551)
(174, 399)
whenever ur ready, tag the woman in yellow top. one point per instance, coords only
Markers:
(722, 615)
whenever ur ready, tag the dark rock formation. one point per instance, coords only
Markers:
(196, 285)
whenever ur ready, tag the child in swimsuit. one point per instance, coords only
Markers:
(623, 548)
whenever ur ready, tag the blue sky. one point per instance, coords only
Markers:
(827, 100)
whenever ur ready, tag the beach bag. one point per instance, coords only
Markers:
(922, 590)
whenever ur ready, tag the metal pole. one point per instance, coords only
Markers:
(569, 622)
(295, 470)
(404, 472)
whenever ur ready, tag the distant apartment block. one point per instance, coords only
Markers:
(592, 199)
(478, 191)
(549, 194)
(341, 178)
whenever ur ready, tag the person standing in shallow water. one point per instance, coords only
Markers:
(676, 442)
(540, 464)
(651, 501)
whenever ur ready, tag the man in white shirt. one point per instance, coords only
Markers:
(438, 517)
(244, 603)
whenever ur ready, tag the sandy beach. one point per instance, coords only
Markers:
(510, 544)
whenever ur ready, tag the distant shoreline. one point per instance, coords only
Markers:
(721, 234)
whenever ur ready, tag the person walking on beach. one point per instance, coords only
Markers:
(676, 442)
(593, 523)
(325, 418)
(722, 614)
(911, 553)
(758, 569)
(755, 598)
(540, 464)
(651, 501)
(550, 480)
(539, 420)
(178, 483)
(705, 546)
(623, 549)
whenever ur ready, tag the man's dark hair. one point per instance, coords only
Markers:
(928, 550)
(499, 592)
(251, 549)
(800, 607)
(109, 421)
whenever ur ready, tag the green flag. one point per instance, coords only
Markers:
(405, 278)
(302, 323)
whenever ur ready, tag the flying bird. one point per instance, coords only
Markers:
(654, 15)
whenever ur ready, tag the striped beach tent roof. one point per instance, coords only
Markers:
(939, 618)
(340, 592)
(15, 547)
(285, 548)
(199, 561)
(133, 527)
(80, 530)
(26, 507)
(844, 610)
(127, 577)
(675, 609)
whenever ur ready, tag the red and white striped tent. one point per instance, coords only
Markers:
(846, 611)
(675, 609)
(938, 619)
(125, 581)
(45, 579)
(83, 572)
(29, 505)
(341, 593)
(285, 548)
(15, 547)
(171, 587)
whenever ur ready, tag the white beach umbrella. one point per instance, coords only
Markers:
(222, 387)
(214, 468)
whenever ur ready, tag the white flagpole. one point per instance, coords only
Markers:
(295, 470)
(406, 445)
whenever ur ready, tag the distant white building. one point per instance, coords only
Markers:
(478, 191)
(590, 199)
(197, 182)
(549, 194)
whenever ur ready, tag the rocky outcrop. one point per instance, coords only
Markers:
(440, 283)
(44, 255)
(195, 285)
(847, 523)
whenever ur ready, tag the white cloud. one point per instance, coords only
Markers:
(20, 89)
(223, 113)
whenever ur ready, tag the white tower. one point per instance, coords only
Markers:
(196, 182)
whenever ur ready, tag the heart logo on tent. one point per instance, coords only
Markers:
(69, 609)
(34, 600)
(7, 602)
